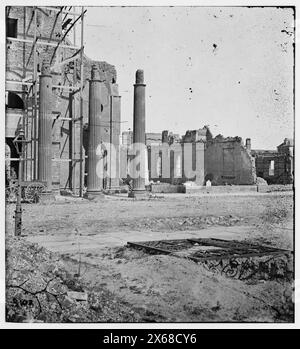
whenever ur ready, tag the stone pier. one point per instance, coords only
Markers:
(138, 185)
(95, 154)
(45, 127)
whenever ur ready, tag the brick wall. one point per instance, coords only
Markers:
(228, 162)
(283, 168)
(19, 65)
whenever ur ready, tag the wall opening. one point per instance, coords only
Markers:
(11, 27)
(159, 165)
(14, 101)
(12, 165)
(271, 168)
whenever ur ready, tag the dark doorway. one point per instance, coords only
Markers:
(11, 27)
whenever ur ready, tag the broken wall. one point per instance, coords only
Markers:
(227, 161)
(177, 163)
(65, 134)
(282, 172)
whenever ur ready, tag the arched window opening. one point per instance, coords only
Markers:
(14, 101)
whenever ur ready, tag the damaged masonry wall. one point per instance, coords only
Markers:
(65, 134)
(219, 159)
(276, 167)
(228, 161)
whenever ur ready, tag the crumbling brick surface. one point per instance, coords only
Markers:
(221, 160)
(283, 161)
(19, 65)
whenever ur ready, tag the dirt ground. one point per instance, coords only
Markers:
(160, 288)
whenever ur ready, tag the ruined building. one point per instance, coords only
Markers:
(47, 95)
(276, 166)
(67, 105)
(229, 161)
(221, 160)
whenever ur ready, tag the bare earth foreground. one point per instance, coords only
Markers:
(77, 245)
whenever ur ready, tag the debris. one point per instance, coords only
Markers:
(79, 296)
(40, 289)
(261, 181)
(233, 258)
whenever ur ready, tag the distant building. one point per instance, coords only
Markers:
(276, 166)
(173, 159)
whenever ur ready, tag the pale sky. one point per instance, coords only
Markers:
(227, 67)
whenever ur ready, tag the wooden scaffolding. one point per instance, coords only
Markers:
(72, 19)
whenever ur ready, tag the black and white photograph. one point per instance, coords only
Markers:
(148, 157)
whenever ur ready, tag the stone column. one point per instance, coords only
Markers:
(45, 127)
(114, 156)
(95, 156)
(138, 184)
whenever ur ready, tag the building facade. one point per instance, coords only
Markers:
(39, 35)
(198, 157)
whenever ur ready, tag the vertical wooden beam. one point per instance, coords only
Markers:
(34, 99)
(81, 104)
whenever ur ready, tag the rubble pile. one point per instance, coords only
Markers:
(40, 289)
(184, 223)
